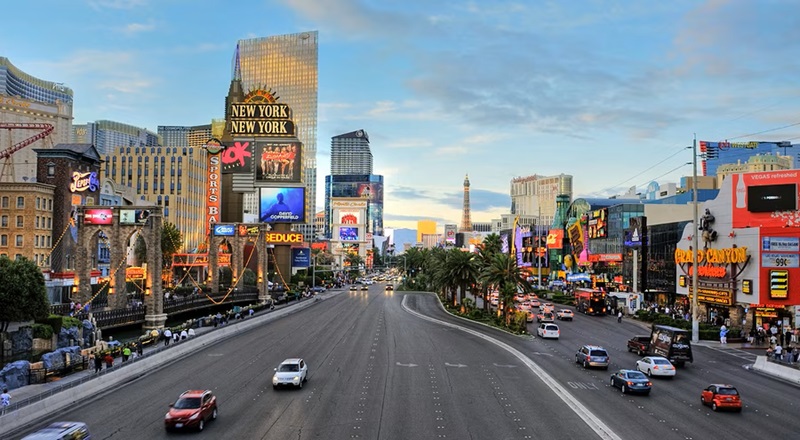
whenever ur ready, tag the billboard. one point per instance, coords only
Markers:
(282, 205)
(103, 216)
(450, 233)
(348, 233)
(758, 198)
(213, 199)
(598, 223)
(279, 162)
(237, 158)
(370, 191)
(350, 248)
(301, 257)
(575, 235)
(225, 230)
(636, 232)
(350, 217)
(133, 216)
(555, 239)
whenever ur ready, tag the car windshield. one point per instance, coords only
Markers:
(187, 403)
(286, 368)
(661, 361)
(636, 375)
(728, 391)
(598, 353)
(551, 327)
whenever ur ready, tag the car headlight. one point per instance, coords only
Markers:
(296, 378)
(167, 417)
(194, 416)
(274, 379)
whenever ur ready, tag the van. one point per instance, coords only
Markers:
(61, 431)
(672, 343)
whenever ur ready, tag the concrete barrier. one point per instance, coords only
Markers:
(775, 369)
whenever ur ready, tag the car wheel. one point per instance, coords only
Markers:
(739, 409)
(612, 383)
(649, 373)
(274, 387)
(201, 425)
(640, 353)
(214, 414)
(702, 401)
(630, 349)
(624, 389)
(585, 364)
(300, 385)
(305, 378)
(714, 406)
(647, 393)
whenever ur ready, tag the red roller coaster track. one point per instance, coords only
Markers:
(46, 130)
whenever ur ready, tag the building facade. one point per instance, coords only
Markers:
(173, 178)
(351, 154)
(287, 65)
(754, 164)
(108, 135)
(535, 196)
(25, 99)
(26, 221)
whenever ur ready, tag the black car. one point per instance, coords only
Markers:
(631, 381)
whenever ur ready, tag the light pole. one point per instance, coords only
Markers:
(695, 246)
(538, 238)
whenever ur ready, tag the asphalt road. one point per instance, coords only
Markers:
(379, 371)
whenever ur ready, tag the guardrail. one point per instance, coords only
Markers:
(193, 302)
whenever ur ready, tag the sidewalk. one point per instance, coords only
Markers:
(31, 401)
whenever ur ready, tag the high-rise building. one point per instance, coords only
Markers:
(351, 176)
(287, 65)
(535, 196)
(717, 154)
(466, 216)
(108, 135)
(350, 154)
(28, 100)
(425, 227)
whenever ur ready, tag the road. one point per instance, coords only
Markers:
(379, 371)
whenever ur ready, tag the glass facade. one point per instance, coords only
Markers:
(108, 135)
(288, 66)
(350, 154)
(14, 82)
(352, 186)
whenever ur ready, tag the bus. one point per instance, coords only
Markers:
(590, 301)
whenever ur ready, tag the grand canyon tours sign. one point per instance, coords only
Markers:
(717, 272)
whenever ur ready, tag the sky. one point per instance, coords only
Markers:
(608, 91)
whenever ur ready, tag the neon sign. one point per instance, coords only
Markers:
(84, 181)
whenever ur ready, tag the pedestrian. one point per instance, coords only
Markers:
(167, 336)
(619, 316)
(176, 336)
(250, 312)
(98, 363)
(190, 333)
(184, 334)
(139, 348)
(126, 353)
(723, 334)
(109, 360)
(787, 338)
(5, 401)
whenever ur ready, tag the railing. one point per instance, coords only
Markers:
(176, 305)
(117, 318)
(41, 375)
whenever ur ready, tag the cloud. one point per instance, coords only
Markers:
(137, 28)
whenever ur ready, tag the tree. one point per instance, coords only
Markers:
(354, 261)
(504, 274)
(491, 246)
(461, 271)
(23, 295)
(171, 243)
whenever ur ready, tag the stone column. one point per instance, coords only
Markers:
(155, 317)
(213, 265)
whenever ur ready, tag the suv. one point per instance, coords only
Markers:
(290, 372)
(592, 356)
(61, 430)
(192, 409)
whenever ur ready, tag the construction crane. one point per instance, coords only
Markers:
(6, 154)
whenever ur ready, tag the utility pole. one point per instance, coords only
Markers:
(538, 242)
(695, 246)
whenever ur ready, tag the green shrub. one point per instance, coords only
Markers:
(42, 331)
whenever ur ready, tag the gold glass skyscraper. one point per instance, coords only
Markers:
(288, 66)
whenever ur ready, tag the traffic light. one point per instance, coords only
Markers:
(778, 284)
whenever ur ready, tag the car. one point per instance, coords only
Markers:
(592, 356)
(534, 302)
(548, 331)
(318, 289)
(656, 366)
(565, 314)
(354, 288)
(547, 307)
(529, 316)
(631, 381)
(721, 396)
(545, 317)
(389, 287)
(192, 410)
(293, 371)
(365, 287)
(61, 430)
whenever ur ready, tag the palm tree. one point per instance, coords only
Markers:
(504, 274)
(486, 251)
(461, 271)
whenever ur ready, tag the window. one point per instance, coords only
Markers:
(51, 169)
(4, 240)
(49, 204)
(20, 221)
(36, 241)
(20, 202)
(4, 203)
(18, 241)
(4, 221)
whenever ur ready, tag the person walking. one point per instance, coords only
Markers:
(619, 316)
(184, 334)
(139, 348)
(98, 363)
(5, 401)
(126, 353)
(109, 360)
(167, 336)
(723, 334)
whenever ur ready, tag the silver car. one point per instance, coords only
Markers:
(290, 372)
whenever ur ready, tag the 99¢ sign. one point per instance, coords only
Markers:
(780, 260)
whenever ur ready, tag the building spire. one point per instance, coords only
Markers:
(466, 221)
(237, 68)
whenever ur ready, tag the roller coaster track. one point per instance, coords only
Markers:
(46, 129)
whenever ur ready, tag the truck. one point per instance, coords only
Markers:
(670, 342)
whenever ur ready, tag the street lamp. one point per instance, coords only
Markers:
(695, 246)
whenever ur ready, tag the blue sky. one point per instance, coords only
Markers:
(607, 91)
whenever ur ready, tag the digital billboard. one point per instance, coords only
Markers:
(282, 205)
(370, 191)
(598, 223)
(237, 158)
(279, 162)
(103, 216)
(133, 216)
(301, 257)
(350, 248)
(757, 197)
(226, 230)
(555, 239)
(348, 233)
(450, 233)
(350, 217)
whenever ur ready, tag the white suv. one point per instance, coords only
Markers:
(290, 372)
(548, 331)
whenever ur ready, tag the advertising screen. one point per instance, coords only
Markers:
(370, 191)
(450, 233)
(771, 198)
(598, 223)
(282, 205)
(349, 217)
(348, 233)
(225, 230)
(237, 158)
(98, 217)
(301, 257)
(555, 239)
(350, 248)
(279, 162)
(133, 216)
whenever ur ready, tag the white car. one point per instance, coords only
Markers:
(655, 366)
(290, 372)
(548, 331)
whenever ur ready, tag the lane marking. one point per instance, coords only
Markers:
(406, 365)
(594, 422)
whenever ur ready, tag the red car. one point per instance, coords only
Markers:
(721, 396)
(191, 411)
